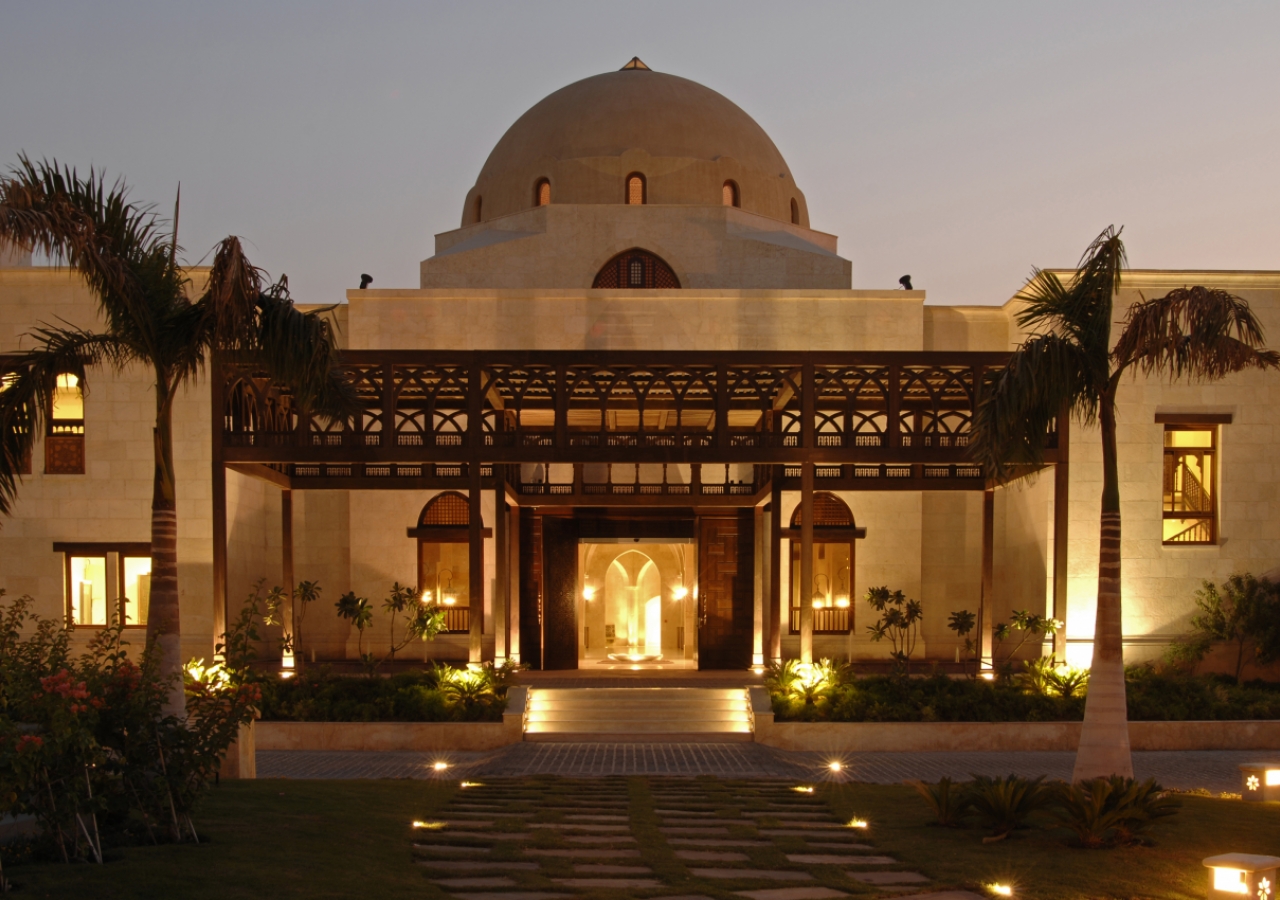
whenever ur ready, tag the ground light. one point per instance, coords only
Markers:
(418, 823)
(1260, 781)
(470, 784)
(440, 765)
(802, 789)
(1001, 890)
(835, 765)
(1242, 875)
(855, 822)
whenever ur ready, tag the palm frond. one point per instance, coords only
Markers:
(1196, 332)
(233, 294)
(27, 391)
(1048, 374)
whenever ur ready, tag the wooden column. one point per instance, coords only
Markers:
(988, 575)
(286, 567)
(778, 613)
(806, 563)
(759, 521)
(218, 493)
(475, 564)
(1061, 517)
(513, 583)
(501, 546)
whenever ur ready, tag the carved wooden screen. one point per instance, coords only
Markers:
(726, 590)
(638, 269)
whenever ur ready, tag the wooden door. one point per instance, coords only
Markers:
(726, 590)
(560, 593)
(530, 588)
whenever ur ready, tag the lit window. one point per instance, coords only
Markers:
(88, 586)
(795, 212)
(635, 273)
(635, 190)
(136, 589)
(64, 437)
(1190, 511)
(729, 194)
(543, 197)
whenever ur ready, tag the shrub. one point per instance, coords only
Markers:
(1105, 811)
(899, 621)
(948, 800)
(1003, 804)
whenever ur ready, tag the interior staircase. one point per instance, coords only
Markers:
(631, 715)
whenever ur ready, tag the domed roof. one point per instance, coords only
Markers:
(586, 138)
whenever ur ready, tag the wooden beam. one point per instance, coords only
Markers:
(988, 574)
(218, 500)
(286, 565)
(1061, 523)
(501, 546)
(776, 610)
(475, 567)
(262, 472)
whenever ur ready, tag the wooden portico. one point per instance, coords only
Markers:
(630, 444)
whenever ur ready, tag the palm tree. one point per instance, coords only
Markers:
(150, 319)
(1069, 366)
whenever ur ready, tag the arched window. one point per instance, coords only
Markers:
(542, 193)
(795, 212)
(729, 194)
(834, 540)
(635, 189)
(636, 269)
(479, 206)
(443, 533)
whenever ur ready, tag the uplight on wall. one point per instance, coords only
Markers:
(588, 593)
(1260, 781)
(1242, 875)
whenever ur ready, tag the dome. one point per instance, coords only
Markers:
(585, 142)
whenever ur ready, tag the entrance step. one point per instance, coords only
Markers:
(619, 715)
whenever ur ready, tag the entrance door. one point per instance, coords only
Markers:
(560, 590)
(726, 590)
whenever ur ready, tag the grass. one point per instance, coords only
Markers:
(330, 839)
(1040, 862)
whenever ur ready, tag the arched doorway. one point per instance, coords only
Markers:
(637, 269)
(443, 535)
(834, 556)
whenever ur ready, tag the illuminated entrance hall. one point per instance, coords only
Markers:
(636, 610)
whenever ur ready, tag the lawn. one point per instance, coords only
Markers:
(322, 839)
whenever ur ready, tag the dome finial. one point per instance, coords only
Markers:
(635, 63)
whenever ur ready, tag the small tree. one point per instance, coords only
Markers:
(425, 620)
(1029, 625)
(359, 612)
(305, 593)
(962, 623)
(1242, 613)
(899, 621)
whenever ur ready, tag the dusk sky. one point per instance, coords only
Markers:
(962, 143)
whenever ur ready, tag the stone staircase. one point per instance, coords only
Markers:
(633, 715)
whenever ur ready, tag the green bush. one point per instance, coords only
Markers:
(949, 801)
(436, 694)
(807, 696)
(1003, 804)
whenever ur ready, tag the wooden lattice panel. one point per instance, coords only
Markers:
(828, 511)
(449, 508)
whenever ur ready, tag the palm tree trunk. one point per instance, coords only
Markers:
(163, 619)
(1104, 737)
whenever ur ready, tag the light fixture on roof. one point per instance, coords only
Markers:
(635, 63)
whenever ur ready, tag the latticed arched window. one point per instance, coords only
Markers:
(449, 508)
(636, 269)
(635, 189)
(729, 194)
(542, 193)
(795, 212)
(479, 208)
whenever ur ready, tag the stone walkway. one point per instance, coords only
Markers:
(1214, 770)
(534, 839)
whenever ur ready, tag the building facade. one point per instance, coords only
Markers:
(636, 414)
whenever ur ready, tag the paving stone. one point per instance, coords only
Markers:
(514, 895)
(793, 893)
(943, 895)
(449, 848)
(791, 815)
(711, 855)
(489, 882)
(578, 826)
(712, 831)
(609, 869)
(697, 813)
(597, 817)
(831, 859)
(688, 897)
(718, 842)
(581, 853)
(474, 865)
(615, 883)
(888, 877)
(843, 845)
(599, 838)
(488, 835)
(762, 874)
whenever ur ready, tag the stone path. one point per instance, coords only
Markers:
(1214, 770)
(530, 855)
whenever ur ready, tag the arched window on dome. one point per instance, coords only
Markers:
(795, 212)
(542, 193)
(729, 194)
(636, 189)
(636, 269)
(479, 208)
